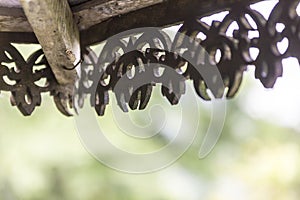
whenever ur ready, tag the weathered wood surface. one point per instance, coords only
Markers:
(13, 20)
(17, 4)
(161, 14)
(10, 3)
(97, 11)
(86, 13)
(158, 15)
(53, 25)
(9, 24)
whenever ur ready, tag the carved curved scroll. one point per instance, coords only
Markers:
(149, 56)
(235, 55)
(28, 79)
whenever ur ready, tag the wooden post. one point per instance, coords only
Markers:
(53, 24)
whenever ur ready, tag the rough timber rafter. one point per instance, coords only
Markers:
(108, 17)
(53, 25)
(86, 13)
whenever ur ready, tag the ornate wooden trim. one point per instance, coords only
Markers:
(27, 79)
(158, 49)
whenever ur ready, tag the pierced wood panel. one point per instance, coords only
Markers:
(234, 48)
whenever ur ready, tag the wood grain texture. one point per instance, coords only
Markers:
(97, 11)
(158, 15)
(161, 14)
(17, 4)
(13, 20)
(86, 13)
(53, 25)
(12, 24)
(10, 3)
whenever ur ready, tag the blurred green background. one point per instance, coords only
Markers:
(256, 158)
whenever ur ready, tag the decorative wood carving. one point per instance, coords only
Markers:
(100, 74)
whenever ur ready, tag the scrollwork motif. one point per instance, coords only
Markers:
(235, 55)
(155, 58)
(23, 78)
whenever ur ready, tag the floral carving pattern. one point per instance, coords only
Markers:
(152, 57)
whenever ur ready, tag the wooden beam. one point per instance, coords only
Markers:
(13, 20)
(96, 11)
(53, 25)
(159, 15)
(86, 13)
(17, 4)
(12, 37)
